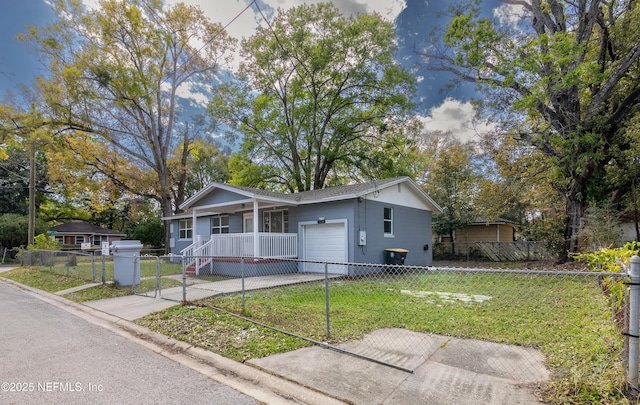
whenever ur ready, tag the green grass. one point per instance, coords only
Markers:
(84, 269)
(567, 318)
(48, 280)
(42, 279)
(111, 290)
(221, 333)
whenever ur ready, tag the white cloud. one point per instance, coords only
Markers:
(509, 14)
(246, 23)
(457, 118)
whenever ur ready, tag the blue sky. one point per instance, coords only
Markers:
(18, 63)
(442, 108)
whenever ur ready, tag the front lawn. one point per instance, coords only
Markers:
(52, 281)
(568, 318)
(42, 279)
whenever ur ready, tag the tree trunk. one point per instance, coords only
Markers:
(574, 211)
(167, 211)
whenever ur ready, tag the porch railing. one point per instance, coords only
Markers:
(199, 241)
(270, 246)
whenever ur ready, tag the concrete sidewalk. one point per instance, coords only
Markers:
(137, 306)
(445, 370)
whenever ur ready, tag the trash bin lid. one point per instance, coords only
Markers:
(397, 250)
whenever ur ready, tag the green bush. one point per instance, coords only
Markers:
(612, 261)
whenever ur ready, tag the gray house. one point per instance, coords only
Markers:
(348, 224)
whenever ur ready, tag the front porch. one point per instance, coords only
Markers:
(254, 245)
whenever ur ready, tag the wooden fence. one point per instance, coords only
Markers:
(495, 251)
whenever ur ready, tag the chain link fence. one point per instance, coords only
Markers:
(548, 325)
(85, 265)
(553, 325)
(155, 275)
(149, 275)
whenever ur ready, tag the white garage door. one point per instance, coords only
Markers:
(325, 243)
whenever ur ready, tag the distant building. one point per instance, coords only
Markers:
(79, 232)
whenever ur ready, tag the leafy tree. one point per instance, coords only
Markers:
(13, 230)
(563, 77)
(544, 228)
(14, 181)
(149, 232)
(116, 72)
(516, 184)
(24, 126)
(452, 181)
(206, 163)
(601, 227)
(323, 101)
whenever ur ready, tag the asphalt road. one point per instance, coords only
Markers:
(49, 356)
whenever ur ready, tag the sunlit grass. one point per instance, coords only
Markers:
(567, 318)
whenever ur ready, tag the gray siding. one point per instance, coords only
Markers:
(411, 228)
(220, 197)
(411, 231)
(339, 210)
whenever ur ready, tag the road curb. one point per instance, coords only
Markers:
(246, 379)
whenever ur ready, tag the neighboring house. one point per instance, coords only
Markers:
(466, 239)
(353, 224)
(79, 232)
(480, 230)
(498, 230)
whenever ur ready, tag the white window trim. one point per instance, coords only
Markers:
(246, 217)
(220, 227)
(388, 234)
(180, 228)
(285, 224)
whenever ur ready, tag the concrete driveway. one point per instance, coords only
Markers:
(453, 371)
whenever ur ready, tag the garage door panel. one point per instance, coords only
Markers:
(325, 243)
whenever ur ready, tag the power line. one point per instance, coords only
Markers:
(224, 28)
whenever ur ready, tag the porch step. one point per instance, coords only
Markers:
(191, 270)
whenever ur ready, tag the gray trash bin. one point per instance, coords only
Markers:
(126, 266)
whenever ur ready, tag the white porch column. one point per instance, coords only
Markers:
(194, 234)
(256, 241)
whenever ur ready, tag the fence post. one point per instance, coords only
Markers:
(104, 270)
(326, 298)
(184, 277)
(158, 278)
(242, 275)
(94, 278)
(634, 321)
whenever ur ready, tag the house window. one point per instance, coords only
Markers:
(185, 229)
(275, 221)
(219, 224)
(60, 239)
(98, 238)
(388, 221)
(79, 239)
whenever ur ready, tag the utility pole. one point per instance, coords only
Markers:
(32, 192)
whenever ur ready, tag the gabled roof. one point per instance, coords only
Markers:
(313, 196)
(83, 228)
